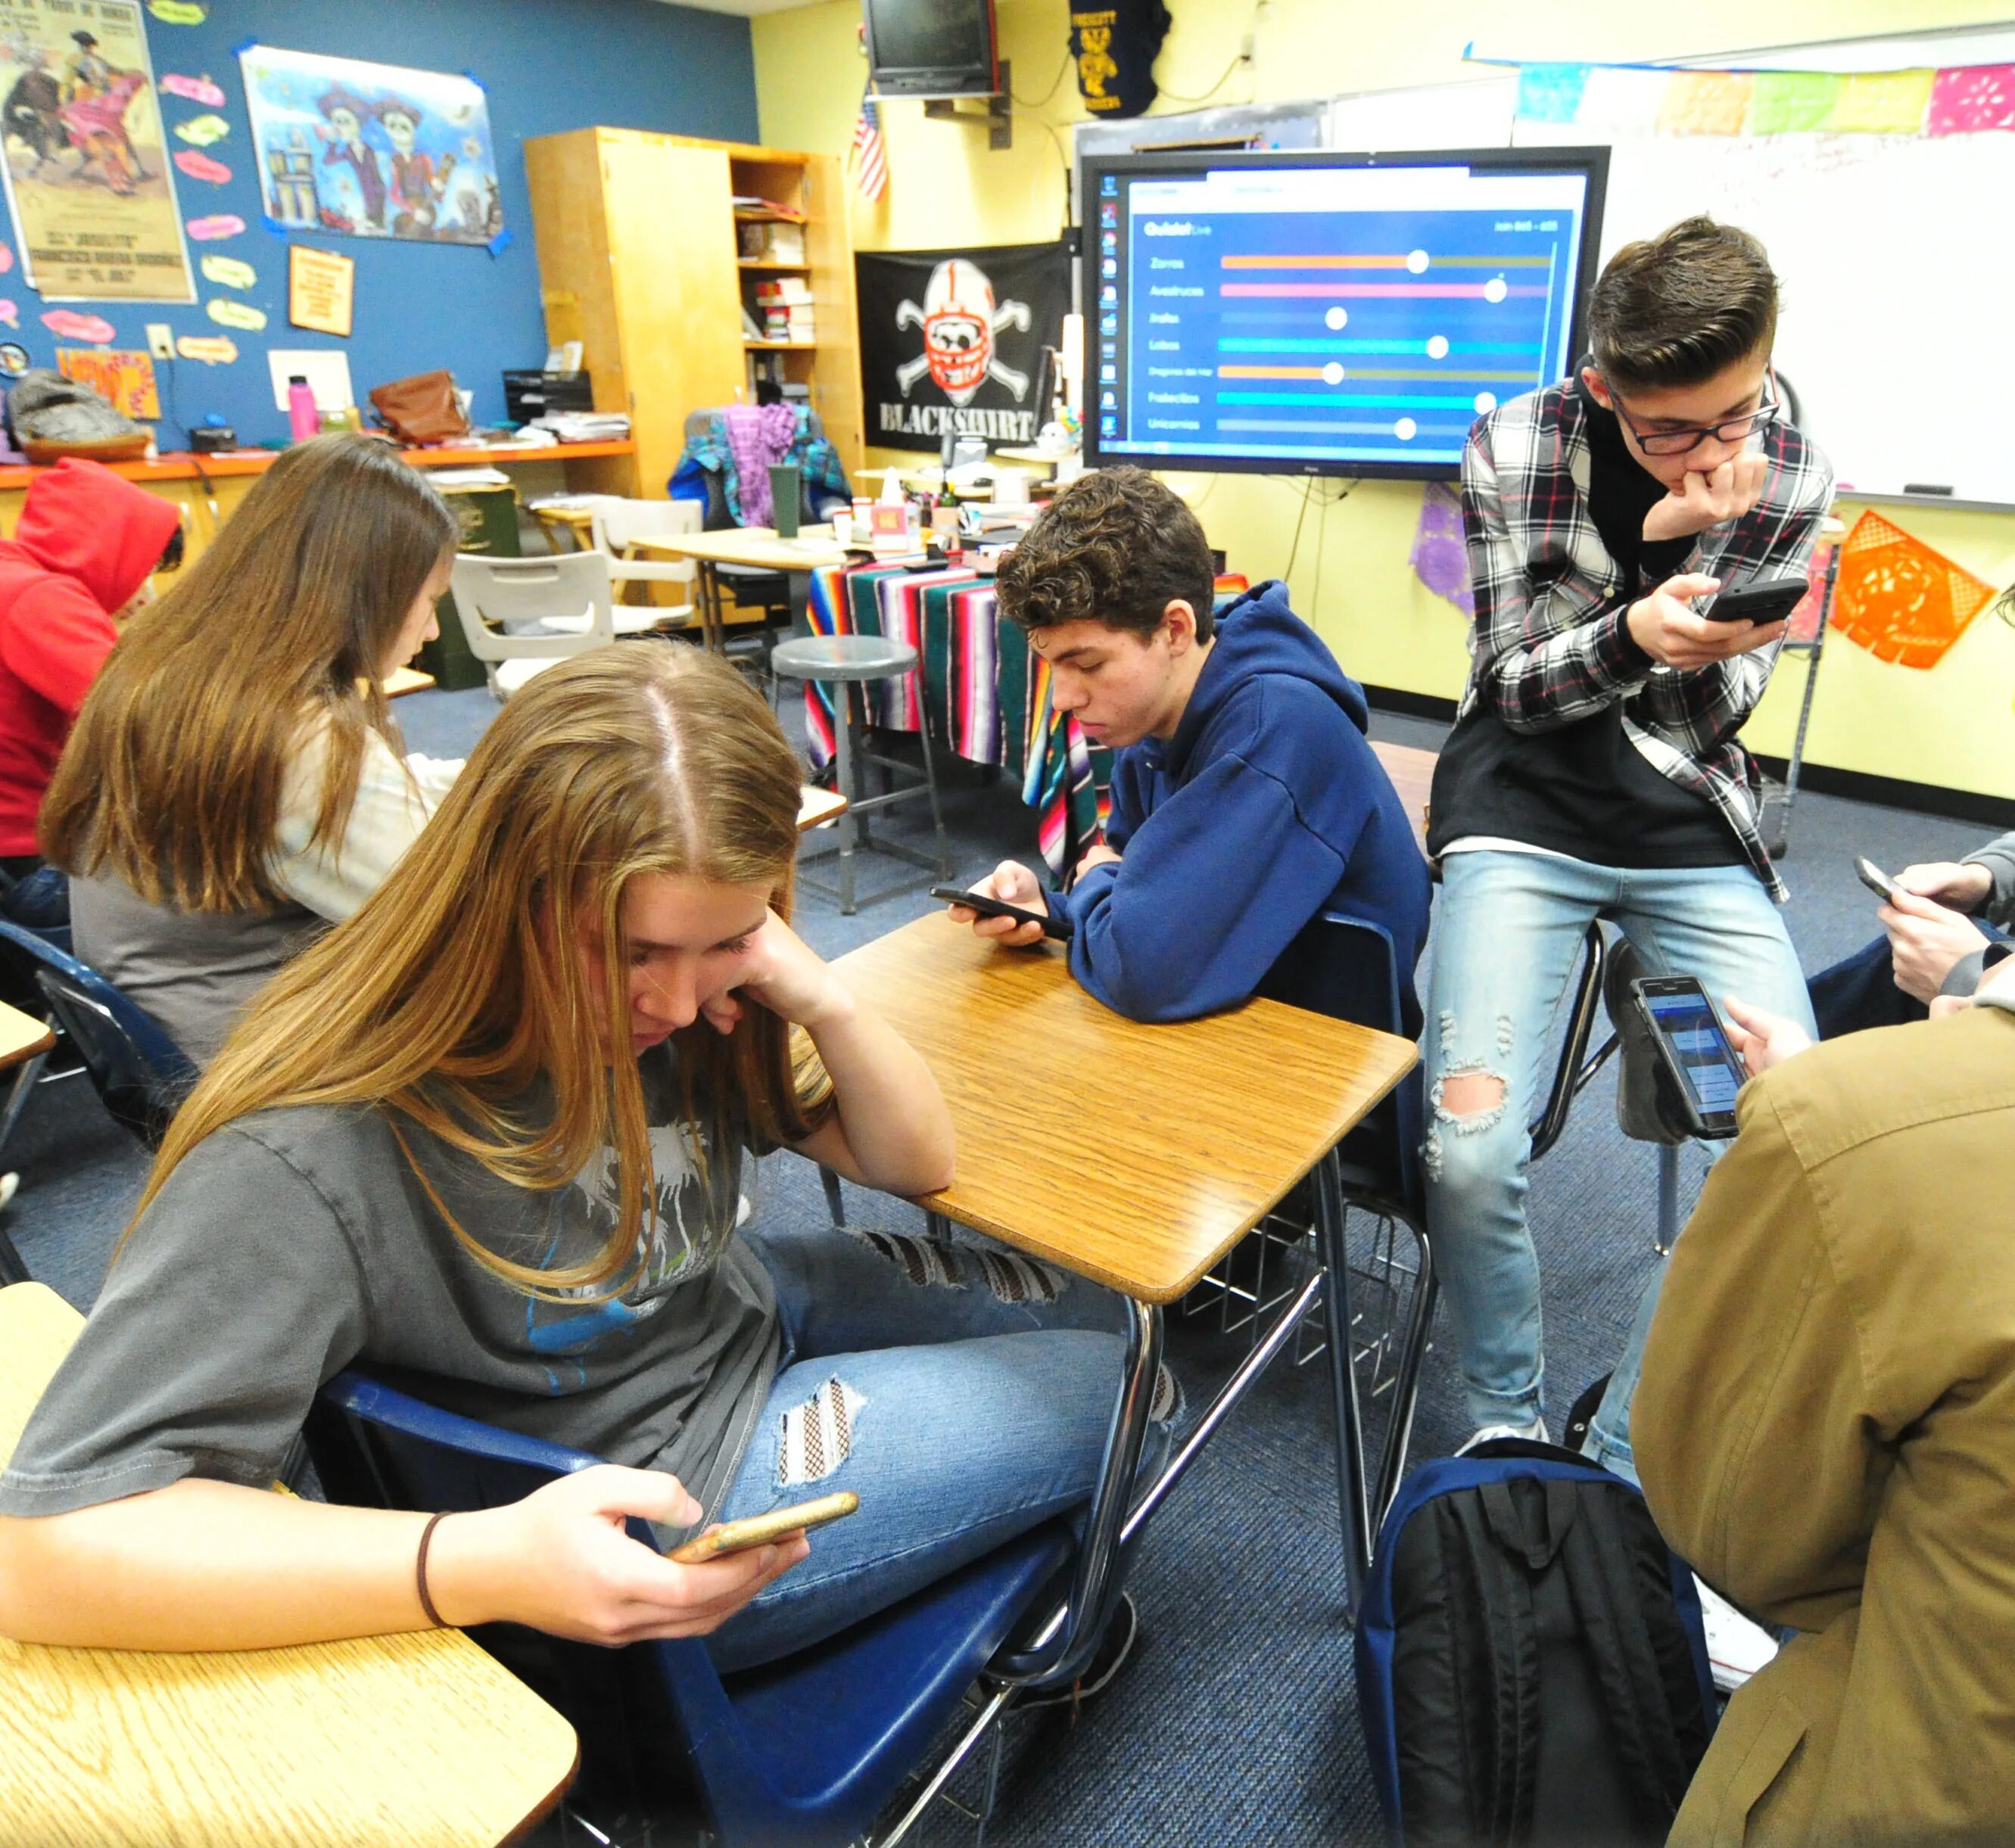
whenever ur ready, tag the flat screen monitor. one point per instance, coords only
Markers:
(931, 47)
(1327, 313)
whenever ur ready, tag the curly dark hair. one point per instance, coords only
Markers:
(1678, 308)
(1115, 547)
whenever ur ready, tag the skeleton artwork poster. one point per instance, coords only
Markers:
(88, 172)
(361, 150)
(952, 340)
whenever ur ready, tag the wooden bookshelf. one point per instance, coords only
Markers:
(639, 260)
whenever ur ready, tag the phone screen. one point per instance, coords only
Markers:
(1706, 1060)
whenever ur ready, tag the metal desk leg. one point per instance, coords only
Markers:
(849, 823)
(1351, 1503)
(1065, 1645)
(707, 589)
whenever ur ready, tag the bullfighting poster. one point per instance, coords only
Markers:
(954, 338)
(362, 150)
(86, 165)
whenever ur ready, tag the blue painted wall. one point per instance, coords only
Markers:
(549, 65)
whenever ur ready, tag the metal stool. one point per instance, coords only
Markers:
(849, 661)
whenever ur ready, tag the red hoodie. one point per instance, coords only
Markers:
(85, 542)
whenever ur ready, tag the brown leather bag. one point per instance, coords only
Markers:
(421, 410)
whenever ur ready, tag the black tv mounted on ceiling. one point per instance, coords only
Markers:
(931, 47)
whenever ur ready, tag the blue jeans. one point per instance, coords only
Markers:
(1510, 940)
(963, 1392)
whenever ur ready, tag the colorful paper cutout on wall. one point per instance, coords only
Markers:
(123, 378)
(1882, 102)
(1550, 92)
(1792, 102)
(10, 311)
(1705, 102)
(1440, 559)
(213, 349)
(1972, 100)
(1804, 625)
(93, 330)
(372, 150)
(229, 271)
(179, 13)
(239, 314)
(219, 224)
(6, 258)
(202, 131)
(1900, 599)
(200, 166)
(192, 89)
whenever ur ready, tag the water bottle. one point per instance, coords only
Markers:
(302, 418)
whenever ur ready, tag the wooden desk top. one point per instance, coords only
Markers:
(1135, 1155)
(180, 466)
(757, 546)
(818, 807)
(22, 1036)
(1412, 770)
(420, 1740)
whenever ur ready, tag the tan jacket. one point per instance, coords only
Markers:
(1825, 1429)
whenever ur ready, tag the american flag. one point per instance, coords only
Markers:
(871, 159)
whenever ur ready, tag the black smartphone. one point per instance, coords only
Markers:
(1873, 878)
(1058, 927)
(1694, 1049)
(1770, 602)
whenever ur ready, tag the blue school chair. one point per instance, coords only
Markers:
(140, 1075)
(803, 1752)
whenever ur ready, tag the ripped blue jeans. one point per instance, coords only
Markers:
(1507, 942)
(964, 1393)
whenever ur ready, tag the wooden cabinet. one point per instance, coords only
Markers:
(640, 259)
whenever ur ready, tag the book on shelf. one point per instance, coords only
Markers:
(765, 241)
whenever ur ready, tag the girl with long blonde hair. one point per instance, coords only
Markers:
(235, 783)
(490, 1135)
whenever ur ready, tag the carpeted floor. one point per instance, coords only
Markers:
(1235, 1720)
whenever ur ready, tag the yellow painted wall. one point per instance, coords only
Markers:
(1953, 726)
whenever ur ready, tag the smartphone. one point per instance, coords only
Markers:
(760, 1529)
(1694, 1049)
(1873, 878)
(1058, 927)
(1770, 602)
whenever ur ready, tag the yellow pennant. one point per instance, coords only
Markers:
(213, 349)
(201, 130)
(179, 12)
(235, 314)
(229, 272)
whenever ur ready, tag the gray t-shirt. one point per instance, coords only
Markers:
(296, 1242)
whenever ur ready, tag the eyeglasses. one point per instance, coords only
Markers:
(1677, 442)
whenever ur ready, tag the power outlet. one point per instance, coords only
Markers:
(161, 339)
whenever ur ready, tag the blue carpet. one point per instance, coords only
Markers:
(1234, 1720)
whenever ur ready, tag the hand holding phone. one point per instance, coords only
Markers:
(760, 1529)
(1009, 905)
(1873, 878)
(1691, 1045)
(1771, 600)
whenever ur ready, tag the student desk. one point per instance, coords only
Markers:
(418, 1740)
(1137, 1156)
(22, 1036)
(818, 807)
(758, 548)
(1412, 770)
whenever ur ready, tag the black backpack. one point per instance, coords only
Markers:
(1531, 1665)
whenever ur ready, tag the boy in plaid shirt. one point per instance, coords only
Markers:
(1594, 769)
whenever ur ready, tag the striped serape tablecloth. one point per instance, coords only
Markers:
(983, 694)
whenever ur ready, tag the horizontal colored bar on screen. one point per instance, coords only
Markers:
(1446, 375)
(1381, 263)
(1355, 291)
(1337, 399)
(1281, 425)
(1288, 344)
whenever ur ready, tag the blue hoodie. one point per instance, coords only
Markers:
(1267, 807)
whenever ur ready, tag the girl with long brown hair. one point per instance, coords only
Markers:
(234, 783)
(490, 1135)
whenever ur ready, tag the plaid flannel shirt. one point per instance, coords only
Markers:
(1549, 644)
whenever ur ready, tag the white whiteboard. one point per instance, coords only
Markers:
(1897, 253)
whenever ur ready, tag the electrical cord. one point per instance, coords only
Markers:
(1056, 83)
(1207, 95)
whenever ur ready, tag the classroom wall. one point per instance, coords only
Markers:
(1952, 727)
(547, 65)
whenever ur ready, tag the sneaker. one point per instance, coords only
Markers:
(1114, 1648)
(1535, 1433)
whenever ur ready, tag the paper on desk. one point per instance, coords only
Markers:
(325, 368)
(1735, 1648)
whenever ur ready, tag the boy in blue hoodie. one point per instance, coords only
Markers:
(1245, 799)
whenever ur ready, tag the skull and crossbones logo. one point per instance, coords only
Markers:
(960, 319)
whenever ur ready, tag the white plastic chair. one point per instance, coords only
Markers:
(618, 524)
(519, 615)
